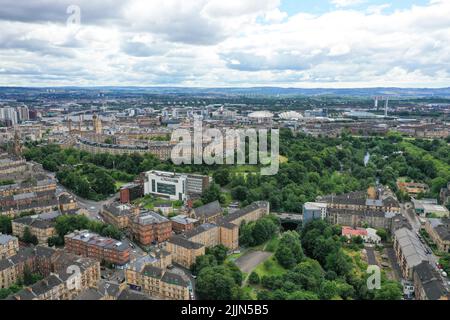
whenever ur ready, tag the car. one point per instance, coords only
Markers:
(194, 277)
(170, 267)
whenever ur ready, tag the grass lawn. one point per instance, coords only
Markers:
(283, 159)
(359, 266)
(233, 257)
(270, 267)
(272, 245)
(250, 291)
(149, 202)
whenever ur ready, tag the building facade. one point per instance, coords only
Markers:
(91, 245)
(149, 227)
(166, 185)
(9, 246)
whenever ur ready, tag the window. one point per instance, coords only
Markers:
(168, 189)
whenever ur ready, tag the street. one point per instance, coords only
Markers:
(93, 207)
(407, 210)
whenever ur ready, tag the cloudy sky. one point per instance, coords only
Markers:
(289, 43)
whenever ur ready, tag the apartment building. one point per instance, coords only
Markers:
(184, 252)
(119, 215)
(91, 245)
(157, 282)
(413, 189)
(428, 284)
(149, 227)
(209, 213)
(63, 283)
(185, 248)
(40, 201)
(38, 184)
(409, 250)
(183, 223)
(67, 204)
(12, 165)
(252, 212)
(439, 231)
(371, 200)
(42, 228)
(375, 207)
(35, 259)
(9, 246)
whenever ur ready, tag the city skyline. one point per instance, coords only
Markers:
(325, 44)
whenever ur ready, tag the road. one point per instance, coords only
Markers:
(394, 263)
(93, 207)
(248, 262)
(371, 260)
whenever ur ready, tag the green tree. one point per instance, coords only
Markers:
(264, 229)
(389, 290)
(217, 283)
(5, 225)
(212, 194)
(219, 252)
(254, 278)
(222, 176)
(289, 252)
(28, 237)
(202, 262)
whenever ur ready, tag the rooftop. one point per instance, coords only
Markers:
(209, 210)
(182, 219)
(96, 240)
(412, 249)
(430, 281)
(150, 217)
(185, 243)
(5, 238)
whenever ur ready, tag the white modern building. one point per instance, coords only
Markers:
(168, 185)
(314, 210)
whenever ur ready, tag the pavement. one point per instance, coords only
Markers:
(371, 260)
(394, 263)
(249, 261)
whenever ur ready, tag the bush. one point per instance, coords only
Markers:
(254, 278)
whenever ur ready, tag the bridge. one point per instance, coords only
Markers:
(290, 221)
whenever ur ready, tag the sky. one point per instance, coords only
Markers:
(232, 43)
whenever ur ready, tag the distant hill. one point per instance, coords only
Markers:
(262, 91)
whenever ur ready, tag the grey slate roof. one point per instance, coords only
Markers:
(430, 281)
(208, 210)
(411, 247)
(185, 243)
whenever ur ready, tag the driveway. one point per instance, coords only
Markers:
(394, 263)
(248, 262)
(371, 260)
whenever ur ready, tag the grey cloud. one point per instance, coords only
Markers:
(56, 11)
(139, 49)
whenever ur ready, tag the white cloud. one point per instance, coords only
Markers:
(346, 3)
(217, 43)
